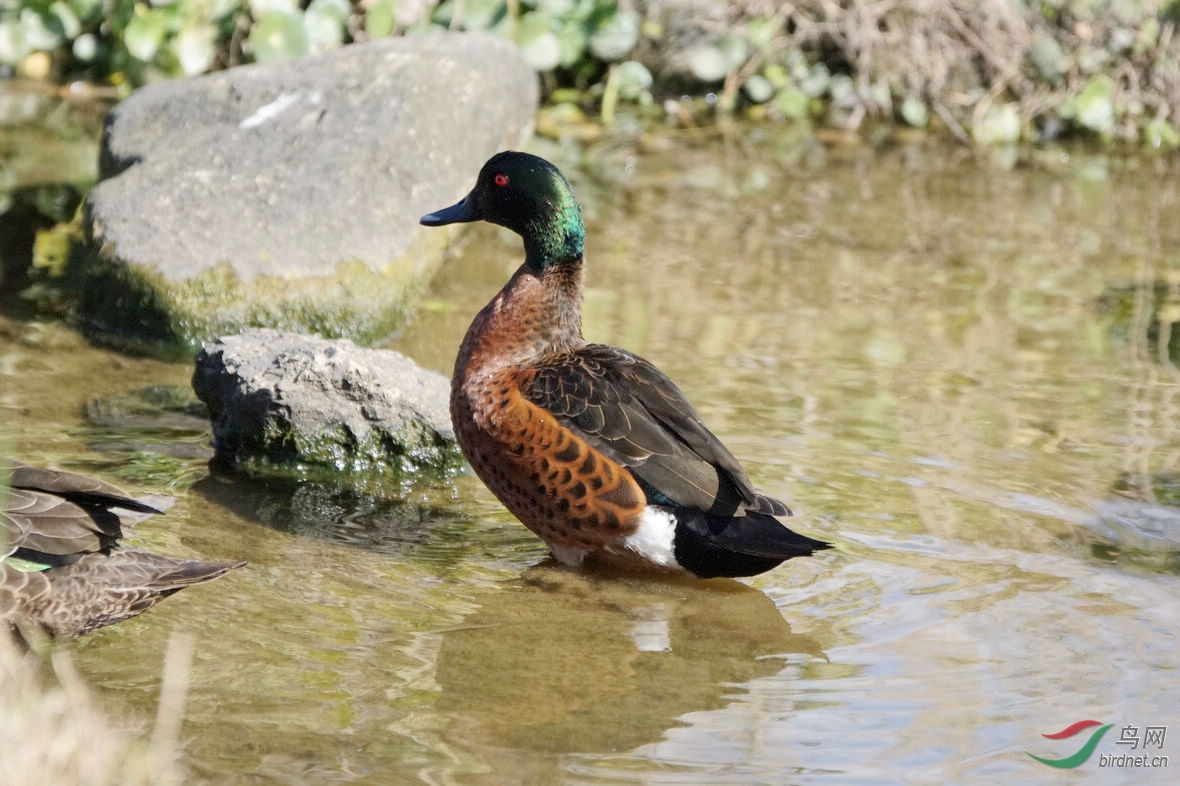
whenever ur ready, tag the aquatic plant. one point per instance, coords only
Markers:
(993, 73)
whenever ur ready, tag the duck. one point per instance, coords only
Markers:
(63, 569)
(590, 446)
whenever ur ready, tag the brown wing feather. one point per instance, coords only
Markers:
(79, 489)
(51, 525)
(98, 589)
(58, 513)
(634, 414)
(556, 482)
(72, 523)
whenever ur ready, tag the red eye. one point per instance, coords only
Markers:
(500, 180)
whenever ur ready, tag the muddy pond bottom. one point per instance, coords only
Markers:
(964, 376)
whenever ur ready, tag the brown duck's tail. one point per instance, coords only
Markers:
(161, 573)
(90, 493)
(99, 589)
(712, 546)
(77, 488)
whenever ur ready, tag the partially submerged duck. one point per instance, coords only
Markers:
(593, 448)
(62, 568)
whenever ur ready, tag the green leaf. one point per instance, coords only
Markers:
(338, 8)
(913, 111)
(633, 79)
(1048, 58)
(14, 47)
(615, 36)
(37, 30)
(735, 49)
(1147, 35)
(543, 53)
(144, 33)
(815, 84)
(538, 44)
(260, 7)
(85, 47)
(424, 28)
(842, 91)
(762, 30)
(556, 9)
(1161, 135)
(758, 89)
(324, 23)
(999, 124)
(444, 13)
(219, 9)
(195, 48)
(380, 19)
(792, 102)
(278, 35)
(571, 36)
(481, 14)
(777, 75)
(707, 63)
(85, 9)
(66, 20)
(1093, 107)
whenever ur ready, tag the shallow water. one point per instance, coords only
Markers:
(962, 374)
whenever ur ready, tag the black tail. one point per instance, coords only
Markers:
(711, 546)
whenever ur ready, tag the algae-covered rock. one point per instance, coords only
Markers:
(283, 400)
(288, 194)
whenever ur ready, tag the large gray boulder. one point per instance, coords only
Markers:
(288, 194)
(281, 400)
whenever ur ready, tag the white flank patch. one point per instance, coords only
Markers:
(654, 539)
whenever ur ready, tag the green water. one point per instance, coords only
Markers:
(962, 374)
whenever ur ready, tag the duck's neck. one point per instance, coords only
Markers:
(535, 315)
(555, 237)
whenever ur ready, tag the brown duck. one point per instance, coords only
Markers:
(591, 447)
(61, 566)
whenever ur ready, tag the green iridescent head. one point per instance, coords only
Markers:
(531, 197)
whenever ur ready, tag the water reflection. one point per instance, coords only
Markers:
(561, 662)
(379, 514)
(965, 375)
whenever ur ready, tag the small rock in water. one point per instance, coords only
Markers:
(157, 407)
(288, 401)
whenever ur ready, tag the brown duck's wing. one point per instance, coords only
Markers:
(77, 488)
(550, 477)
(98, 589)
(44, 523)
(634, 414)
(61, 514)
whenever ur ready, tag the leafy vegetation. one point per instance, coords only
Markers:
(999, 73)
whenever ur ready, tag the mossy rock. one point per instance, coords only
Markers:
(138, 308)
(288, 194)
(285, 403)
